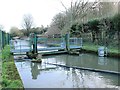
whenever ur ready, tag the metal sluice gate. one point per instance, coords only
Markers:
(19, 46)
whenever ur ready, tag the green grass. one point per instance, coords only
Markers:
(90, 47)
(93, 47)
(10, 76)
(54, 45)
(6, 53)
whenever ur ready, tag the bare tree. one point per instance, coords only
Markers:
(78, 12)
(27, 23)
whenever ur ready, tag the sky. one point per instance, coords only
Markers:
(42, 11)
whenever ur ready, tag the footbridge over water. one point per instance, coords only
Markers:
(45, 44)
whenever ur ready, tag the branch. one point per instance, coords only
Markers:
(64, 6)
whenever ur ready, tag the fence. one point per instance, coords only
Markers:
(4, 39)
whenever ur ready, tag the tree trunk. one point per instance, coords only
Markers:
(93, 37)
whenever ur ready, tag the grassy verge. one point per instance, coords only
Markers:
(0, 69)
(10, 76)
(112, 51)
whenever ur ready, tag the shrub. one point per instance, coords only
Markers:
(6, 53)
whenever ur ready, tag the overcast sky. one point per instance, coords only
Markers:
(12, 11)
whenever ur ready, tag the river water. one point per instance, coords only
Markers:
(36, 75)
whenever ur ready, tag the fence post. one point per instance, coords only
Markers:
(3, 40)
(31, 41)
(9, 37)
(0, 39)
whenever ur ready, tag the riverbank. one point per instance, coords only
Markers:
(10, 75)
(90, 48)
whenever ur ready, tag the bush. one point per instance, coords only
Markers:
(6, 53)
(104, 31)
(116, 21)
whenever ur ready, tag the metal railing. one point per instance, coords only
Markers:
(4, 39)
(20, 45)
(44, 43)
(75, 42)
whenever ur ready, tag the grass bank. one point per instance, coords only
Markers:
(10, 75)
(112, 51)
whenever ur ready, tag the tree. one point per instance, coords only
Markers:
(78, 12)
(94, 27)
(62, 22)
(27, 23)
(14, 31)
(76, 29)
(59, 20)
(39, 30)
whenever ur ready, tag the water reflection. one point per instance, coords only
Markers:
(35, 70)
(35, 75)
(102, 60)
(86, 60)
(75, 79)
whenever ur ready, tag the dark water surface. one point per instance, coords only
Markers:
(35, 75)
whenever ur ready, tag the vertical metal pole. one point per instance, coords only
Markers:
(5, 38)
(35, 44)
(76, 41)
(0, 56)
(30, 42)
(9, 38)
(81, 42)
(20, 46)
(67, 42)
(2, 39)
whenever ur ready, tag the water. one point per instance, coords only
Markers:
(35, 75)
(25, 44)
